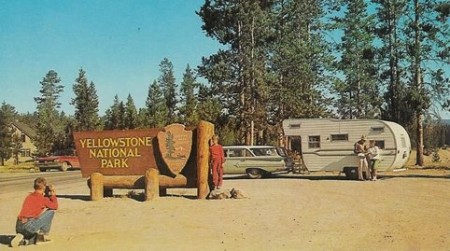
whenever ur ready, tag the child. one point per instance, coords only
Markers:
(374, 155)
(217, 160)
(35, 219)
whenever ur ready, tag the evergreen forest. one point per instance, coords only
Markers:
(278, 59)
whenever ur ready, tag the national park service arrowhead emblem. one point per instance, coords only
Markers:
(175, 144)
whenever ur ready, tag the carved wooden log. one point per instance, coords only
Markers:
(138, 182)
(124, 181)
(154, 184)
(96, 186)
(205, 131)
(151, 184)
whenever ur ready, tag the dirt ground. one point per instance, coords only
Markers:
(408, 210)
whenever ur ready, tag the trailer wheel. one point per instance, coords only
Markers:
(255, 173)
(350, 173)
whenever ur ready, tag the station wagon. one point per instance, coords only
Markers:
(255, 161)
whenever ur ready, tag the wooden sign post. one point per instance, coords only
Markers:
(150, 159)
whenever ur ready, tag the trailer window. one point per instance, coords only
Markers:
(314, 142)
(379, 143)
(339, 137)
(378, 128)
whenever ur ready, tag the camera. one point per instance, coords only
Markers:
(47, 191)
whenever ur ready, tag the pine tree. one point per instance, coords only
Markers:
(156, 107)
(131, 114)
(47, 105)
(300, 61)
(143, 119)
(64, 128)
(7, 113)
(208, 108)
(427, 39)
(115, 115)
(86, 104)
(188, 98)
(238, 73)
(16, 146)
(357, 94)
(391, 58)
(168, 86)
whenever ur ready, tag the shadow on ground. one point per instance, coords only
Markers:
(74, 197)
(337, 177)
(6, 239)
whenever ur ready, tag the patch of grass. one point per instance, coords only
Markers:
(21, 167)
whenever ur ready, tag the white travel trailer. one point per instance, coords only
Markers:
(327, 144)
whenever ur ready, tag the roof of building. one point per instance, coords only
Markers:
(24, 128)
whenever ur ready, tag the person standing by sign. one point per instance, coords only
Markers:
(374, 155)
(35, 219)
(217, 159)
(360, 151)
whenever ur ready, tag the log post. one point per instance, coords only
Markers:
(205, 131)
(96, 186)
(151, 184)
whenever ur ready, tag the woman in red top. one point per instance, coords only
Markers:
(217, 160)
(35, 219)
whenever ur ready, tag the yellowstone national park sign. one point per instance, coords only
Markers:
(131, 152)
(175, 144)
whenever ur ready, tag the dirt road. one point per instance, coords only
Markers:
(402, 211)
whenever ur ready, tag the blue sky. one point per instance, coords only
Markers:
(119, 44)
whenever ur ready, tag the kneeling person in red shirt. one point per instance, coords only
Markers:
(35, 219)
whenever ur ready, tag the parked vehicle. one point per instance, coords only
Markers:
(255, 161)
(327, 144)
(57, 161)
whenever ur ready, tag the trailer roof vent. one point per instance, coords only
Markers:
(378, 128)
(293, 126)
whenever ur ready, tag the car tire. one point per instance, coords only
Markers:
(351, 173)
(255, 173)
(64, 166)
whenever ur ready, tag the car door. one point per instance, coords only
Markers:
(237, 160)
(266, 159)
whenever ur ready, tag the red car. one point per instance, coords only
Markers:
(63, 163)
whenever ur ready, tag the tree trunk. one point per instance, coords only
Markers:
(419, 155)
(418, 83)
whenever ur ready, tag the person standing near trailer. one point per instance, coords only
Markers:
(360, 151)
(374, 158)
(217, 159)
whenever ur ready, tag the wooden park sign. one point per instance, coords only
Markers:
(175, 144)
(154, 159)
